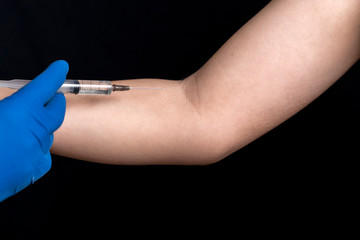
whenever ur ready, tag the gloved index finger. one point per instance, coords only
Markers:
(45, 85)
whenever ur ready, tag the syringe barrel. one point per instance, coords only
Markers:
(80, 87)
(86, 87)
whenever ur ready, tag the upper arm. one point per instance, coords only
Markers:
(280, 61)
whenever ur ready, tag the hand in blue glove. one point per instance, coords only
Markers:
(28, 119)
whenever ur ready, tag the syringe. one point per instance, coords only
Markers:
(78, 87)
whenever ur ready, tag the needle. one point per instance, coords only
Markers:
(127, 88)
(154, 88)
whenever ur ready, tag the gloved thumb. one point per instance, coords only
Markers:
(43, 87)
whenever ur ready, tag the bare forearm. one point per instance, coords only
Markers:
(134, 127)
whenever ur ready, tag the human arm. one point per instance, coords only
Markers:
(276, 64)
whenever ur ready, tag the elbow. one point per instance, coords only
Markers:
(211, 156)
(206, 143)
(210, 150)
(212, 159)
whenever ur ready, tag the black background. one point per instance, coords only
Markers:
(304, 164)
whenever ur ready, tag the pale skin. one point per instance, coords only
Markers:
(276, 64)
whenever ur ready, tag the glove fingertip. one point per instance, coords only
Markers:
(61, 64)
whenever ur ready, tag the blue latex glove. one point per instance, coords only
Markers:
(28, 119)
